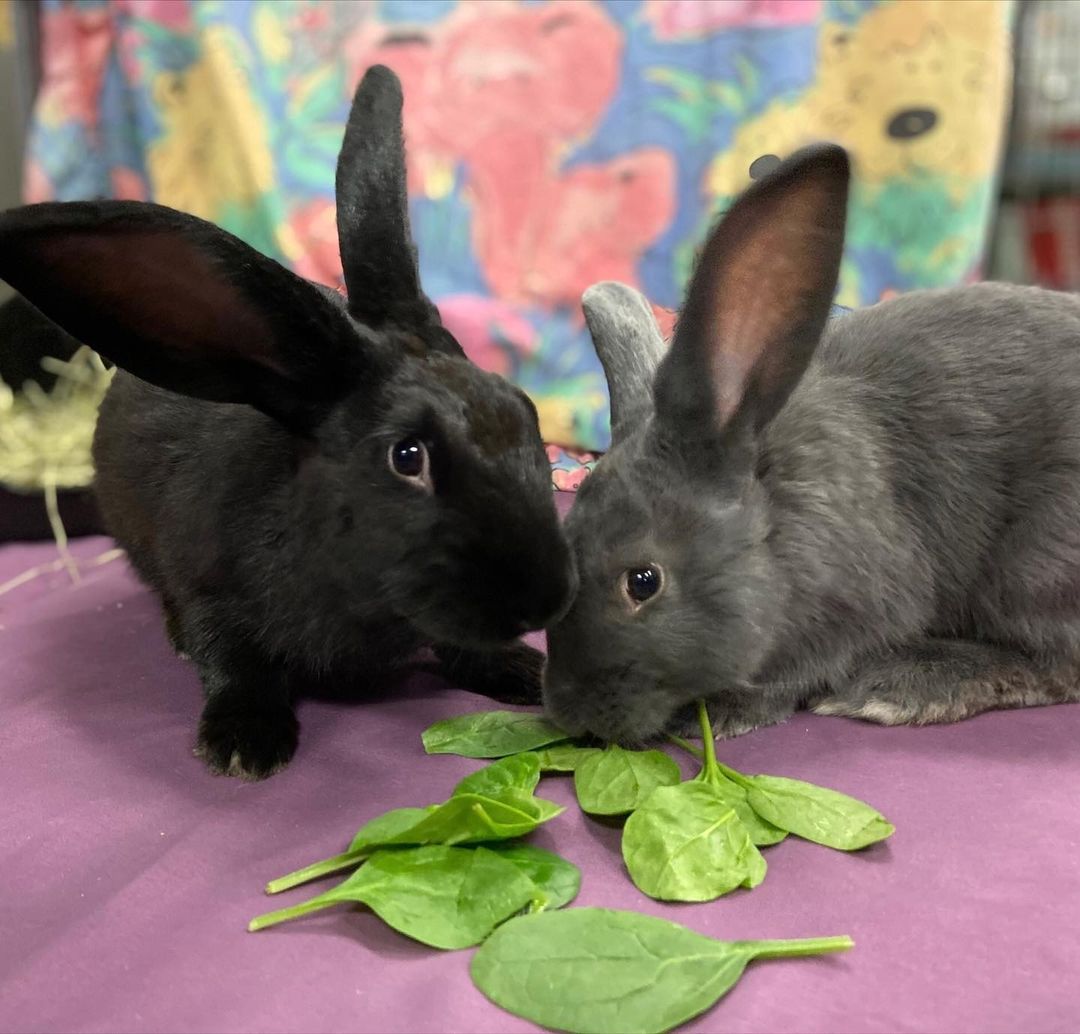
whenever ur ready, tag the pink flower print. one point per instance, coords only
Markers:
(37, 186)
(544, 242)
(552, 68)
(489, 330)
(174, 15)
(127, 184)
(685, 19)
(74, 48)
(569, 480)
(314, 229)
(665, 320)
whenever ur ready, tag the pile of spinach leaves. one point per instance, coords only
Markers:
(692, 840)
(457, 874)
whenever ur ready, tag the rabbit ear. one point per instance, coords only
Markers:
(759, 299)
(377, 251)
(183, 304)
(628, 342)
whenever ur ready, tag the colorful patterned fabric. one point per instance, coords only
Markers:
(551, 144)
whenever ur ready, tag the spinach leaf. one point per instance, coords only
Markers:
(517, 772)
(685, 843)
(606, 972)
(557, 881)
(380, 829)
(385, 827)
(615, 781)
(491, 734)
(465, 818)
(762, 832)
(564, 757)
(447, 897)
(816, 813)
(472, 818)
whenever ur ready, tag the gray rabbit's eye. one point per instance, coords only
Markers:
(409, 460)
(643, 583)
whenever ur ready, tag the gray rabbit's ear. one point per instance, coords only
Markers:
(758, 301)
(628, 342)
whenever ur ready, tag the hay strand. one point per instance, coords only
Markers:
(45, 437)
(45, 440)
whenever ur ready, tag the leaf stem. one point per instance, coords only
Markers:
(686, 745)
(284, 914)
(735, 777)
(316, 870)
(707, 738)
(794, 949)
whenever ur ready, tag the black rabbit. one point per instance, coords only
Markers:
(877, 516)
(314, 487)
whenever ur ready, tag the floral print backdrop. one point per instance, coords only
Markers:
(551, 144)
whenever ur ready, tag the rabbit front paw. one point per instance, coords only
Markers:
(249, 741)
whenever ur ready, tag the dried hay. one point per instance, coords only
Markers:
(45, 439)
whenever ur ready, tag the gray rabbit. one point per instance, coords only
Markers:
(875, 516)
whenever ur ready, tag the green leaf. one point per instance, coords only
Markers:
(384, 828)
(464, 819)
(762, 832)
(491, 734)
(372, 834)
(472, 818)
(447, 897)
(685, 843)
(556, 879)
(517, 772)
(816, 813)
(606, 972)
(615, 781)
(563, 757)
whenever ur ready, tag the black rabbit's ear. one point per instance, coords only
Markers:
(378, 256)
(759, 299)
(630, 347)
(182, 304)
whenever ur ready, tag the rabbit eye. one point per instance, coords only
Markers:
(643, 583)
(409, 460)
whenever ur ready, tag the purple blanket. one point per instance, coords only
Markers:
(129, 873)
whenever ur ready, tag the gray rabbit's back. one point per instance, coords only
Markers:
(935, 438)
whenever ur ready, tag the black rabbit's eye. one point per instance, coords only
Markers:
(409, 459)
(643, 583)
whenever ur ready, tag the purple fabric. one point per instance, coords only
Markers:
(129, 873)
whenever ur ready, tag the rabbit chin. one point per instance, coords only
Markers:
(615, 716)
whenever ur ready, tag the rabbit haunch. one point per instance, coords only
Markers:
(315, 487)
(877, 516)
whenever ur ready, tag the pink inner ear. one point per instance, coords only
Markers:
(768, 268)
(159, 286)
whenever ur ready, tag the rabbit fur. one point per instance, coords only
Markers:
(315, 487)
(876, 516)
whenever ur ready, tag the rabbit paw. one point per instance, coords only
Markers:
(250, 742)
(947, 681)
